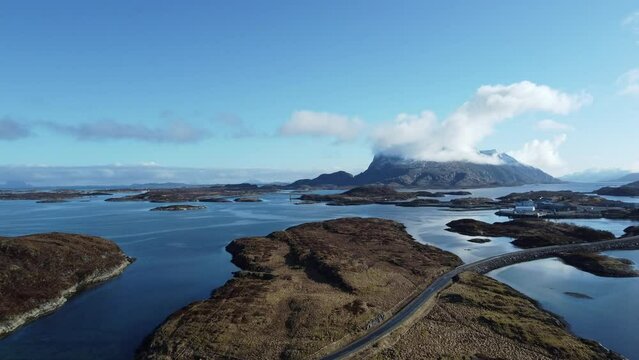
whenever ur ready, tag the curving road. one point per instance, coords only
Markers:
(482, 267)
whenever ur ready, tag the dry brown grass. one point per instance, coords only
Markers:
(37, 268)
(326, 281)
(480, 318)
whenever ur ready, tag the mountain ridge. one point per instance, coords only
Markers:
(398, 171)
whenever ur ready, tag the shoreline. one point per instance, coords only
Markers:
(7, 327)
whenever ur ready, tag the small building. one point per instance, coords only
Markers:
(527, 206)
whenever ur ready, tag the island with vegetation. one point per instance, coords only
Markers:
(179, 208)
(38, 273)
(52, 196)
(215, 193)
(631, 189)
(529, 233)
(311, 289)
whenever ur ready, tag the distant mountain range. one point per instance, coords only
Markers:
(600, 175)
(392, 170)
(15, 185)
(628, 178)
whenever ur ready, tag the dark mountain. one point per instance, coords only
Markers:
(628, 178)
(631, 189)
(392, 170)
(15, 184)
(597, 175)
(340, 178)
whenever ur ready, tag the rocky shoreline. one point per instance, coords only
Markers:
(302, 289)
(12, 323)
(308, 290)
(38, 273)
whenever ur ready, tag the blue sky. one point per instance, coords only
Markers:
(213, 84)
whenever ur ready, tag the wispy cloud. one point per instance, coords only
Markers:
(629, 82)
(236, 125)
(11, 129)
(423, 137)
(322, 124)
(632, 22)
(175, 131)
(552, 125)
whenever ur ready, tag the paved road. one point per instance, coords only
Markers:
(481, 266)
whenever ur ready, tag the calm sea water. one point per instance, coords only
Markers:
(181, 259)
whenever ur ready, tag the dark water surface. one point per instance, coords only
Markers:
(181, 259)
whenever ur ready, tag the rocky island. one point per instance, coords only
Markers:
(39, 272)
(178, 208)
(49, 196)
(631, 189)
(382, 194)
(214, 193)
(536, 233)
(306, 291)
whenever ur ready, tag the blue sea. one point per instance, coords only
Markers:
(181, 259)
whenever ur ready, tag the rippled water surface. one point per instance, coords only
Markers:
(181, 258)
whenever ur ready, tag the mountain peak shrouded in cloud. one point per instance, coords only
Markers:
(456, 138)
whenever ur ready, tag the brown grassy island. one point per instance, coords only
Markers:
(380, 194)
(535, 233)
(39, 272)
(213, 193)
(49, 196)
(313, 288)
(179, 208)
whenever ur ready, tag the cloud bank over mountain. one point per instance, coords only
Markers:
(424, 137)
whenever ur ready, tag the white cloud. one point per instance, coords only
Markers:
(423, 137)
(629, 82)
(311, 123)
(632, 22)
(552, 125)
(543, 154)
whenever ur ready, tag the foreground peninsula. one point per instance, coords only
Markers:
(38, 273)
(312, 289)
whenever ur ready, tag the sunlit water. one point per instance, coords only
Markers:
(181, 259)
